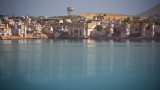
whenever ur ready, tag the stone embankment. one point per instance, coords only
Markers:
(29, 36)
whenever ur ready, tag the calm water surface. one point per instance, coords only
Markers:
(79, 65)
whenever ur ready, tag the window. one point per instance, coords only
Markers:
(80, 32)
(71, 31)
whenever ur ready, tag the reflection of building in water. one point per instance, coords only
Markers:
(34, 66)
(127, 58)
(91, 64)
(22, 41)
(0, 66)
(39, 66)
(111, 58)
(7, 60)
(97, 62)
(90, 43)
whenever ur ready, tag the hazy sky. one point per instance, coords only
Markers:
(58, 7)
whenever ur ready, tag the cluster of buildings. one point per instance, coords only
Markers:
(19, 26)
(73, 26)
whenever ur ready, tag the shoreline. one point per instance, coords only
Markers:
(18, 38)
(106, 38)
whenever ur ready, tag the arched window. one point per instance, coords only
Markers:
(80, 32)
(71, 31)
(75, 32)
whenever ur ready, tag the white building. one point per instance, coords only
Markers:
(110, 30)
(127, 29)
(19, 29)
(150, 31)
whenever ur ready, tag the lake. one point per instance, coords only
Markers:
(79, 65)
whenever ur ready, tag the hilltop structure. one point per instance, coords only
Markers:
(70, 10)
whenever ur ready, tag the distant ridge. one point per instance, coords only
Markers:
(151, 12)
(106, 16)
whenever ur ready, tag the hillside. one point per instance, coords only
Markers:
(152, 12)
(107, 16)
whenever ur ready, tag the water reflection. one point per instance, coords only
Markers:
(43, 62)
(0, 66)
(91, 62)
(111, 41)
(22, 41)
(5, 42)
(127, 41)
(38, 41)
(90, 43)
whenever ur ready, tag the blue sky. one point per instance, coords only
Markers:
(58, 7)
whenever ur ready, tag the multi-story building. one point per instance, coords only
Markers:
(78, 29)
(150, 30)
(110, 30)
(19, 29)
(2, 29)
(37, 29)
(5, 30)
(91, 25)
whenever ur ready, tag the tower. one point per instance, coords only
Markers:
(70, 10)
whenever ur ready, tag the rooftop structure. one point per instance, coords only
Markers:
(70, 10)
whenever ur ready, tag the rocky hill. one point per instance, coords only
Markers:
(152, 12)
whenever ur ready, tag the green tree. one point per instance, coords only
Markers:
(127, 20)
(99, 28)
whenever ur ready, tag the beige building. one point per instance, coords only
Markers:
(38, 29)
(2, 29)
(5, 30)
(82, 29)
(77, 29)
(10, 21)
(92, 25)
